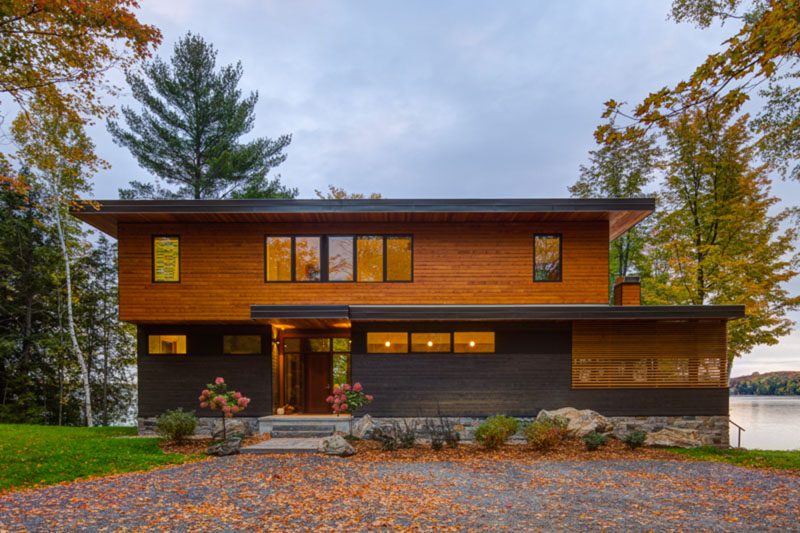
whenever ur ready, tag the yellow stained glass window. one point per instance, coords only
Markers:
(473, 342)
(166, 259)
(166, 344)
(398, 258)
(387, 342)
(279, 259)
(430, 342)
(370, 258)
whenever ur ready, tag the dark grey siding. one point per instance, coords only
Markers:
(172, 381)
(531, 370)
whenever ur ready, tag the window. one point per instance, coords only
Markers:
(340, 258)
(241, 344)
(473, 342)
(307, 252)
(547, 258)
(381, 342)
(370, 258)
(166, 259)
(166, 344)
(279, 259)
(398, 258)
(430, 342)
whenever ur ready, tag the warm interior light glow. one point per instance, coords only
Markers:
(387, 344)
(430, 343)
(471, 344)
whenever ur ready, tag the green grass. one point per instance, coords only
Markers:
(785, 460)
(44, 455)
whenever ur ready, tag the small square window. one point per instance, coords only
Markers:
(430, 342)
(473, 342)
(382, 342)
(241, 344)
(166, 344)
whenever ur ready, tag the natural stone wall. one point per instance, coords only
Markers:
(206, 426)
(711, 430)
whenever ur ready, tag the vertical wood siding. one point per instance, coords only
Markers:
(222, 268)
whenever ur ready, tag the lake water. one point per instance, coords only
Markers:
(771, 422)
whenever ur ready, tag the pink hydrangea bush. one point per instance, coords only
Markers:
(217, 397)
(348, 398)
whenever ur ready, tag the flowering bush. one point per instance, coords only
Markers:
(348, 398)
(217, 397)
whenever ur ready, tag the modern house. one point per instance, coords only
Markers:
(465, 308)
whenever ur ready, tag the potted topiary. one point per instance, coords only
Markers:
(217, 397)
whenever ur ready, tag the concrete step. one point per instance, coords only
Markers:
(288, 426)
(280, 433)
(304, 445)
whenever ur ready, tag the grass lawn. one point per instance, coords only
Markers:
(785, 460)
(42, 455)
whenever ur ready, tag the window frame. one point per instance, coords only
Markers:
(149, 353)
(560, 258)
(325, 256)
(450, 332)
(153, 238)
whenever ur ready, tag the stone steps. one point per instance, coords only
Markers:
(284, 445)
(288, 433)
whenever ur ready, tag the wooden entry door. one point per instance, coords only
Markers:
(318, 382)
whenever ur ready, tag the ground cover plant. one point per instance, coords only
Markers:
(495, 431)
(784, 460)
(43, 455)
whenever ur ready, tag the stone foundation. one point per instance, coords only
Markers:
(712, 430)
(206, 426)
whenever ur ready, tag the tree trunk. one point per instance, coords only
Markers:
(87, 391)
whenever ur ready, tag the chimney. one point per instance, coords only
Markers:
(627, 291)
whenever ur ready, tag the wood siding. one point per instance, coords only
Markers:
(616, 354)
(172, 381)
(531, 370)
(222, 268)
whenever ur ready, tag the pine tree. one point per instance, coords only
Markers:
(715, 240)
(189, 127)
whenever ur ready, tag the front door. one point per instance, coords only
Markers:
(317, 382)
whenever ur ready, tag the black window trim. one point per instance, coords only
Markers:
(222, 341)
(324, 256)
(150, 334)
(452, 351)
(153, 257)
(560, 258)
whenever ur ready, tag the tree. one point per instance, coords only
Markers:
(335, 193)
(58, 53)
(715, 241)
(60, 155)
(766, 48)
(189, 127)
(623, 168)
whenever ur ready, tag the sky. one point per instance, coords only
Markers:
(446, 99)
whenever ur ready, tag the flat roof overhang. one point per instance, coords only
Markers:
(369, 313)
(621, 213)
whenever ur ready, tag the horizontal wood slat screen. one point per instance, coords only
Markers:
(649, 355)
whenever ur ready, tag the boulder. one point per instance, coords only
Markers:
(677, 437)
(233, 427)
(364, 428)
(581, 422)
(336, 445)
(226, 447)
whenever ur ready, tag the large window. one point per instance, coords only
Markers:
(166, 259)
(339, 258)
(547, 258)
(166, 344)
(426, 342)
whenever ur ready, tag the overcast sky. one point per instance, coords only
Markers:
(440, 99)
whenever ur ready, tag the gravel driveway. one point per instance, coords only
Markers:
(301, 492)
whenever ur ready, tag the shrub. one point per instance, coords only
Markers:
(441, 432)
(395, 436)
(594, 440)
(495, 431)
(176, 425)
(545, 433)
(635, 439)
